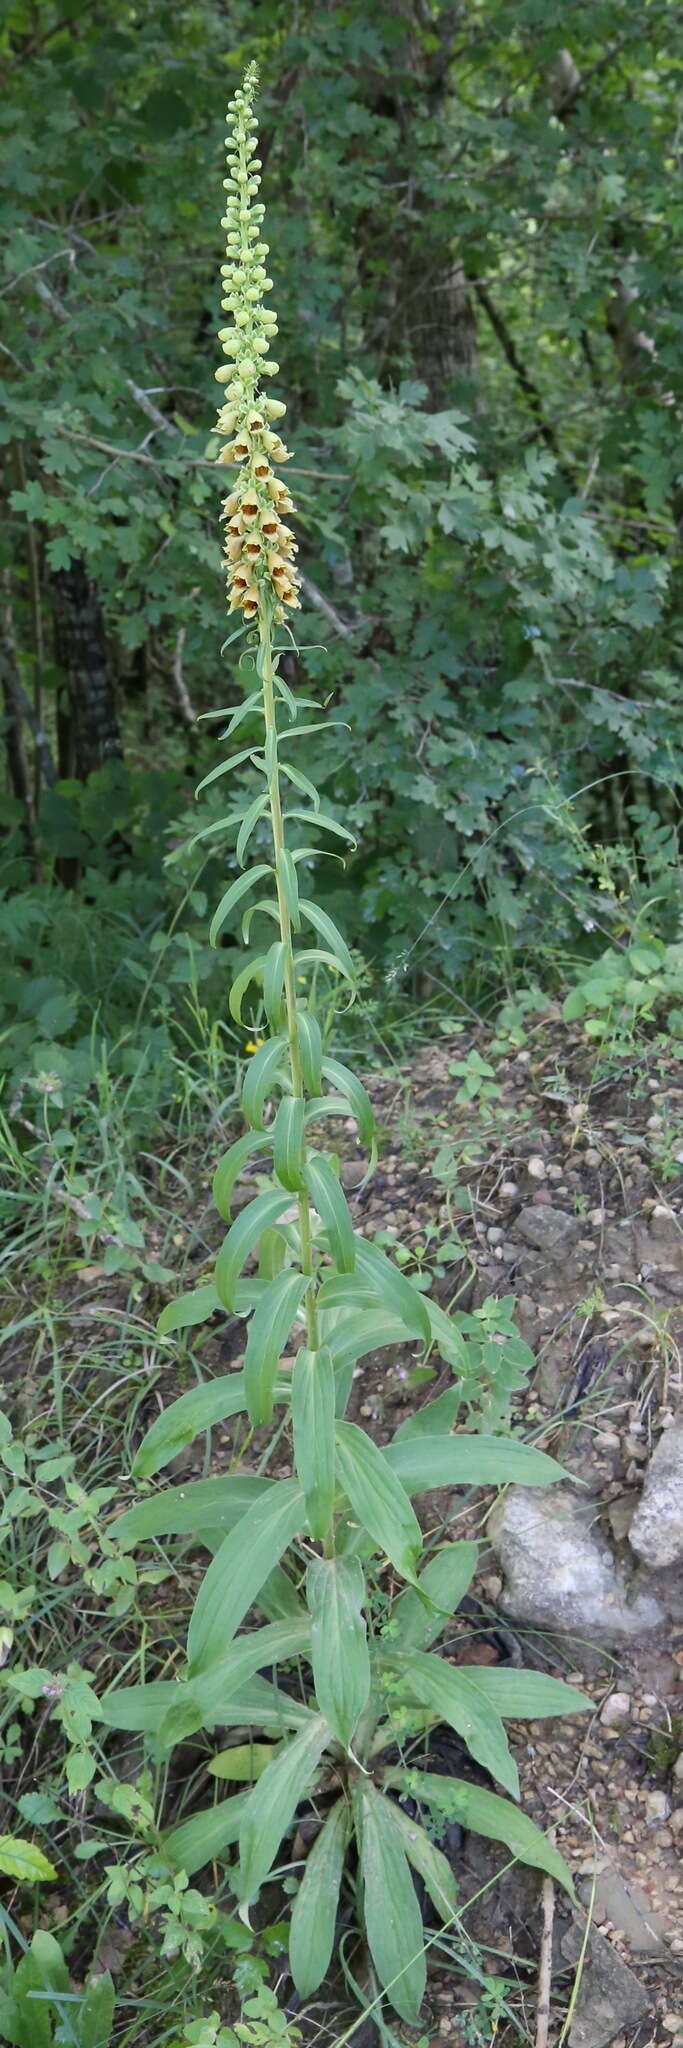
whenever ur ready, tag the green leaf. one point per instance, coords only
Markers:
(189, 1310)
(449, 1691)
(330, 1201)
(206, 1835)
(234, 761)
(185, 1419)
(139, 1708)
(96, 2014)
(391, 1911)
(250, 819)
(527, 1695)
(214, 1504)
(426, 1461)
(238, 1570)
(273, 984)
(322, 819)
(233, 895)
(328, 931)
(311, 1050)
(254, 971)
(242, 1764)
(268, 1332)
(143, 1708)
(445, 1580)
(259, 1077)
(230, 1167)
(435, 1419)
(339, 1642)
(393, 1289)
(355, 1094)
(259, 1215)
(287, 878)
(288, 1142)
(314, 1915)
(377, 1497)
(432, 1865)
(272, 1804)
(313, 1411)
(23, 1861)
(238, 1662)
(485, 1813)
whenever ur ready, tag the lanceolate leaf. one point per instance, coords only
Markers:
(328, 931)
(259, 1215)
(230, 1167)
(206, 1834)
(233, 895)
(311, 1050)
(250, 819)
(257, 1650)
(314, 1916)
(96, 2013)
(432, 1865)
(238, 1570)
(268, 1332)
(288, 1142)
(390, 1907)
(426, 1461)
(254, 971)
(287, 878)
(271, 1806)
(527, 1695)
(189, 1310)
(313, 1409)
(377, 1497)
(333, 1209)
(393, 1289)
(259, 1078)
(452, 1694)
(355, 1094)
(445, 1580)
(185, 1419)
(212, 1504)
(339, 1642)
(273, 984)
(485, 1813)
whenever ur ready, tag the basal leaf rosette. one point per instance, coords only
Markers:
(259, 546)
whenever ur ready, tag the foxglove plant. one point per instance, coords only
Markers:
(330, 1557)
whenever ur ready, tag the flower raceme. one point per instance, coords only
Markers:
(259, 546)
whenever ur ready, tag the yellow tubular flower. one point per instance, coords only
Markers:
(258, 546)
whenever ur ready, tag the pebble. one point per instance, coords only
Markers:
(592, 1157)
(657, 1806)
(509, 1189)
(676, 1820)
(671, 2021)
(596, 1217)
(536, 1167)
(494, 1235)
(617, 1708)
(678, 1767)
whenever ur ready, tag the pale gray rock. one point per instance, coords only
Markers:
(610, 1996)
(656, 1532)
(560, 1572)
(550, 1231)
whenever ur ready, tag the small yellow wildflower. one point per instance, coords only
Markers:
(259, 546)
(253, 1044)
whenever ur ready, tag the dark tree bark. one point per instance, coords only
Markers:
(89, 734)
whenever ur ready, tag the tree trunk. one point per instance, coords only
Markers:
(82, 653)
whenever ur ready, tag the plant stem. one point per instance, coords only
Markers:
(271, 731)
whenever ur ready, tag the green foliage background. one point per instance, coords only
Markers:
(473, 216)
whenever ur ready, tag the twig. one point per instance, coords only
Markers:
(322, 604)
(187, 709)
(545, 1963)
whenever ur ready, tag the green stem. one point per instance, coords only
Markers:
(278, 831)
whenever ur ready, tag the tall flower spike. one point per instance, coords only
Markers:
(259, 548)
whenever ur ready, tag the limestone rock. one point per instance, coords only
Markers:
(656, 1532)
(610, 1996)
(549, 1230)
(560, 1572)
